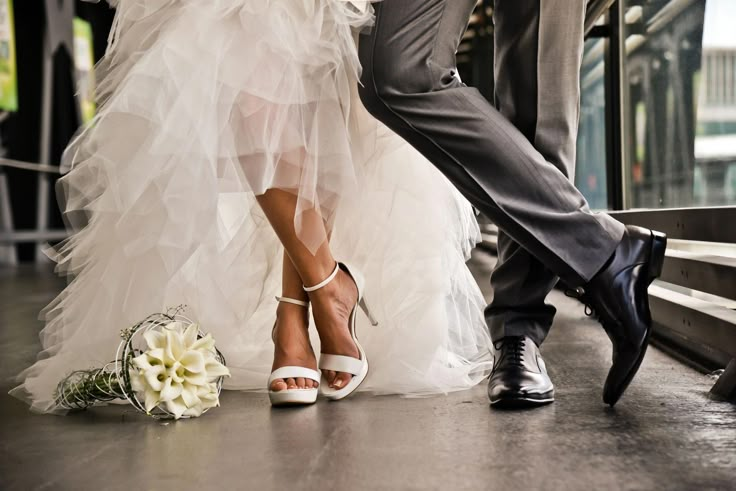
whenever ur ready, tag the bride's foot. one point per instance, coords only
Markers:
(332, 305)
(292, 347)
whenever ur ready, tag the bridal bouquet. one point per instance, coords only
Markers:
(165, 367)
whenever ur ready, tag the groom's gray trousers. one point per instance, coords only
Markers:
(511, 165)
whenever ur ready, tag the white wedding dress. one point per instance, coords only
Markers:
(205, 104)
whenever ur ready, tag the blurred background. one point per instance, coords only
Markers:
(47, 51)
(658, 114)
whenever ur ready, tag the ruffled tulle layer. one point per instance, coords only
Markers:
(257, 88)
(206, 105)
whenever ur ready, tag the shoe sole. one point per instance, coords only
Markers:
(522, 402)
(657, 254)
(292, 397)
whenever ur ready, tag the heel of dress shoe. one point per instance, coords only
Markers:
(656, 255)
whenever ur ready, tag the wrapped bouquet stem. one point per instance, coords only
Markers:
(165, 367)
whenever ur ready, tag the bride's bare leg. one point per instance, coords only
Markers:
(332, 304)
(291, 337)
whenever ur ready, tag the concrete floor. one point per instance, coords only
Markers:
(664, 434)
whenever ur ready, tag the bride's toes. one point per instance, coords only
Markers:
(329, 376)
(341, 380)
(300, 383)
(278, 385)
(291, 383)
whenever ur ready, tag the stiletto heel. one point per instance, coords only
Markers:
(292, 397)
(357, 367)
(367, 310)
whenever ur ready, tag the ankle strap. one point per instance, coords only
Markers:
(293, 301)
(329, 278)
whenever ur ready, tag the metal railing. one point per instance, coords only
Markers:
(9, 235)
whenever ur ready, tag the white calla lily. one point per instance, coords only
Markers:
(215, 369)
(190, 334)
(177, 407)
(156, 356)
(189, 395)
(137, 381)
(193, 361)
(205, 343)
(171, 390)
(152, 399)
(178, 371)
(155, 377)
(142, 362)
(155, 339)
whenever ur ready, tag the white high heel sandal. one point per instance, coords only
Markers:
(357, 367)
(292, 397)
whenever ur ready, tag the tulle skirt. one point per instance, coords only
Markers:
(205, 105)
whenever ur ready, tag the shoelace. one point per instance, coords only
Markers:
(513, 347)
(579, 294)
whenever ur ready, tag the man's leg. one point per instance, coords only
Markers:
(538, 49)
(409, 82)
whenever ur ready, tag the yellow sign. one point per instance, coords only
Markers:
(84, 65)
(8, 69)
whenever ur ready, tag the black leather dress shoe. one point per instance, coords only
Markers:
(618, 297)
(519, 377)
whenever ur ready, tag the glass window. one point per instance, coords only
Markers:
(679, 103)
(590, 172)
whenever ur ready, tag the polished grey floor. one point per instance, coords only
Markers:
(664, 434)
